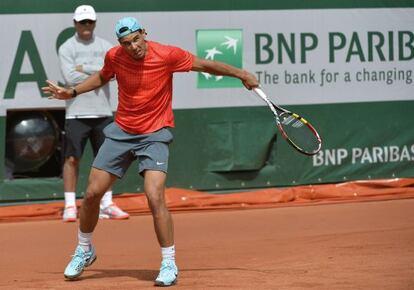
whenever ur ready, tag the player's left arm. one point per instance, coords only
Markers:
(223, 69)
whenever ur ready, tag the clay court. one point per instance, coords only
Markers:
(329, 243)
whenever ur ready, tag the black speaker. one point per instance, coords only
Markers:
(32, 139)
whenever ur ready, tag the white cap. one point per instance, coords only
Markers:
(84, 12)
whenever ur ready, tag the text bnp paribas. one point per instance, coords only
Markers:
(333, 48)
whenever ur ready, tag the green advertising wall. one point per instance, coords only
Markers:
(226, 148)
(232, 149)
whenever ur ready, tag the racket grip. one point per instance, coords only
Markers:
(259, 92)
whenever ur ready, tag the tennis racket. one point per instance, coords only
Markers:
(295, 130)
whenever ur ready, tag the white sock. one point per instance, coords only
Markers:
(85, 240)
(106, 199)
(70, 198)
(168, 253)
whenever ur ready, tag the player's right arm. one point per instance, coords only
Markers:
(57, 92)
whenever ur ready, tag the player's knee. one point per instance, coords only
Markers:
(155, 200)
(93, 194)
(156, 203)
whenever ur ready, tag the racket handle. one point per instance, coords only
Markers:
(260, 92)
(263, 96)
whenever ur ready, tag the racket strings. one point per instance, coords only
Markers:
(299, 133)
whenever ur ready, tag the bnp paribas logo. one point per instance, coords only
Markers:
(221, 45)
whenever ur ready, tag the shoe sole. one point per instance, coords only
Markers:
(69, 220)
(103, 216)
(111, 217)
(76, 276)
(161, 284)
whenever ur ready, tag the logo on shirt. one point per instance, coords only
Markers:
(221, 45)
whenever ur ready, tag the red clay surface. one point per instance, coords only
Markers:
(366, 245)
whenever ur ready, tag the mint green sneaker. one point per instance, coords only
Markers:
(80, 260)
(168, 274)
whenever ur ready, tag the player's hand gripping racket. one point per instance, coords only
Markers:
(296, 130)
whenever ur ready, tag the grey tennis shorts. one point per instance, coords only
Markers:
(120, 149)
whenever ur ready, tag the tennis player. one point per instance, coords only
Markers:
(144, 71)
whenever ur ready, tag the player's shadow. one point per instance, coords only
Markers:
(140, 274)
(143, 274)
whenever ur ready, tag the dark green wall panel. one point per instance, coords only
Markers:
(248, 153)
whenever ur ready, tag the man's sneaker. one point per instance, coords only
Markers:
(69, 214)
(112, 212)
(168, 274)
(80, 260)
